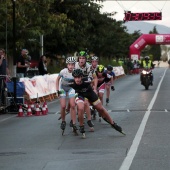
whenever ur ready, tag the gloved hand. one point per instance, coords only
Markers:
(112, 88)
(58, 93)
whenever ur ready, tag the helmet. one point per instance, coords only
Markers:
(100, 68)
(94, 58)
(82, 54)
(109, 68)
(88, 58)
(146, 57)
(77, 73)
(70, 60)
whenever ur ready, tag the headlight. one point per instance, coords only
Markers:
(144, 72)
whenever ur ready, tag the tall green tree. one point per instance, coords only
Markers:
(155, 50)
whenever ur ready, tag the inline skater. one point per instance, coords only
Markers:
(85, 67)
(109, 85)
(103, 78)
(84, 90)
(94, 63)
(66, 91)
(93, 68)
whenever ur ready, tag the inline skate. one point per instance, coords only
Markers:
(63, 126)
(82, 131)
(91, 125)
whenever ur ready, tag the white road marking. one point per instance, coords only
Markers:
(7, 118)
(57, 112)
(135, 144)
(166, 110)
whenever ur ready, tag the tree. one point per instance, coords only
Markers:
(155, 50)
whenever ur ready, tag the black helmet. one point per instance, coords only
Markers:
(77, 73)
(109, 68)
(100, 68)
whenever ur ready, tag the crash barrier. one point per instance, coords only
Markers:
(40, 87)
(44, 87)
(119, 71)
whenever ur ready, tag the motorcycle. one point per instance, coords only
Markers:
(146, 78)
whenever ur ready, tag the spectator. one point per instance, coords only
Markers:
(4, 72)
(136, 66)
(42, 65)
(129, 66)
(23, 62)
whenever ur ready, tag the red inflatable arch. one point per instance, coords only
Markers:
(147, 39)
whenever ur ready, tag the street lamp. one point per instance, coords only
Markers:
(14, 36)
(14, 50)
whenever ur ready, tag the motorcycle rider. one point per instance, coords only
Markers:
(147, 64)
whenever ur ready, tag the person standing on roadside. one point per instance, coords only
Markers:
(4, 73)
(42, 65)
(22, 64)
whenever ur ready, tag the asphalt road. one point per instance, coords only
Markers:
(36, 143)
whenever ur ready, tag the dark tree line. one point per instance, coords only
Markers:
(67, 26)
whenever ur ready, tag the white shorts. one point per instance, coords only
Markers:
(69, 94)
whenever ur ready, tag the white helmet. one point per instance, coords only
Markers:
(70, 60)
(147, 57)
(94, 58)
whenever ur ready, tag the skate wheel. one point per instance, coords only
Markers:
(83, 135)
(123, 133)
(92, 129)
(76, 133)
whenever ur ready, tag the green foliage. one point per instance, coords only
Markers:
(155, 50)
(67, 26)
(112, 62)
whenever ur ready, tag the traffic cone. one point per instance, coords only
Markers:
(20, 112)
(26, 105)
(37, 110)
(32, 108)
(29, 112)
(46, 107)
(44, 112)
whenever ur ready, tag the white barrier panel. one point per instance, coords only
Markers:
(40, 86)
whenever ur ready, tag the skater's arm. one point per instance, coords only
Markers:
(95, 80)
(57, 84)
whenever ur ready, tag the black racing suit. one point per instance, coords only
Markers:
(84, 90)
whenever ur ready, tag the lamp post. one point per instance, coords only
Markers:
(14, 35)
(14, 50)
